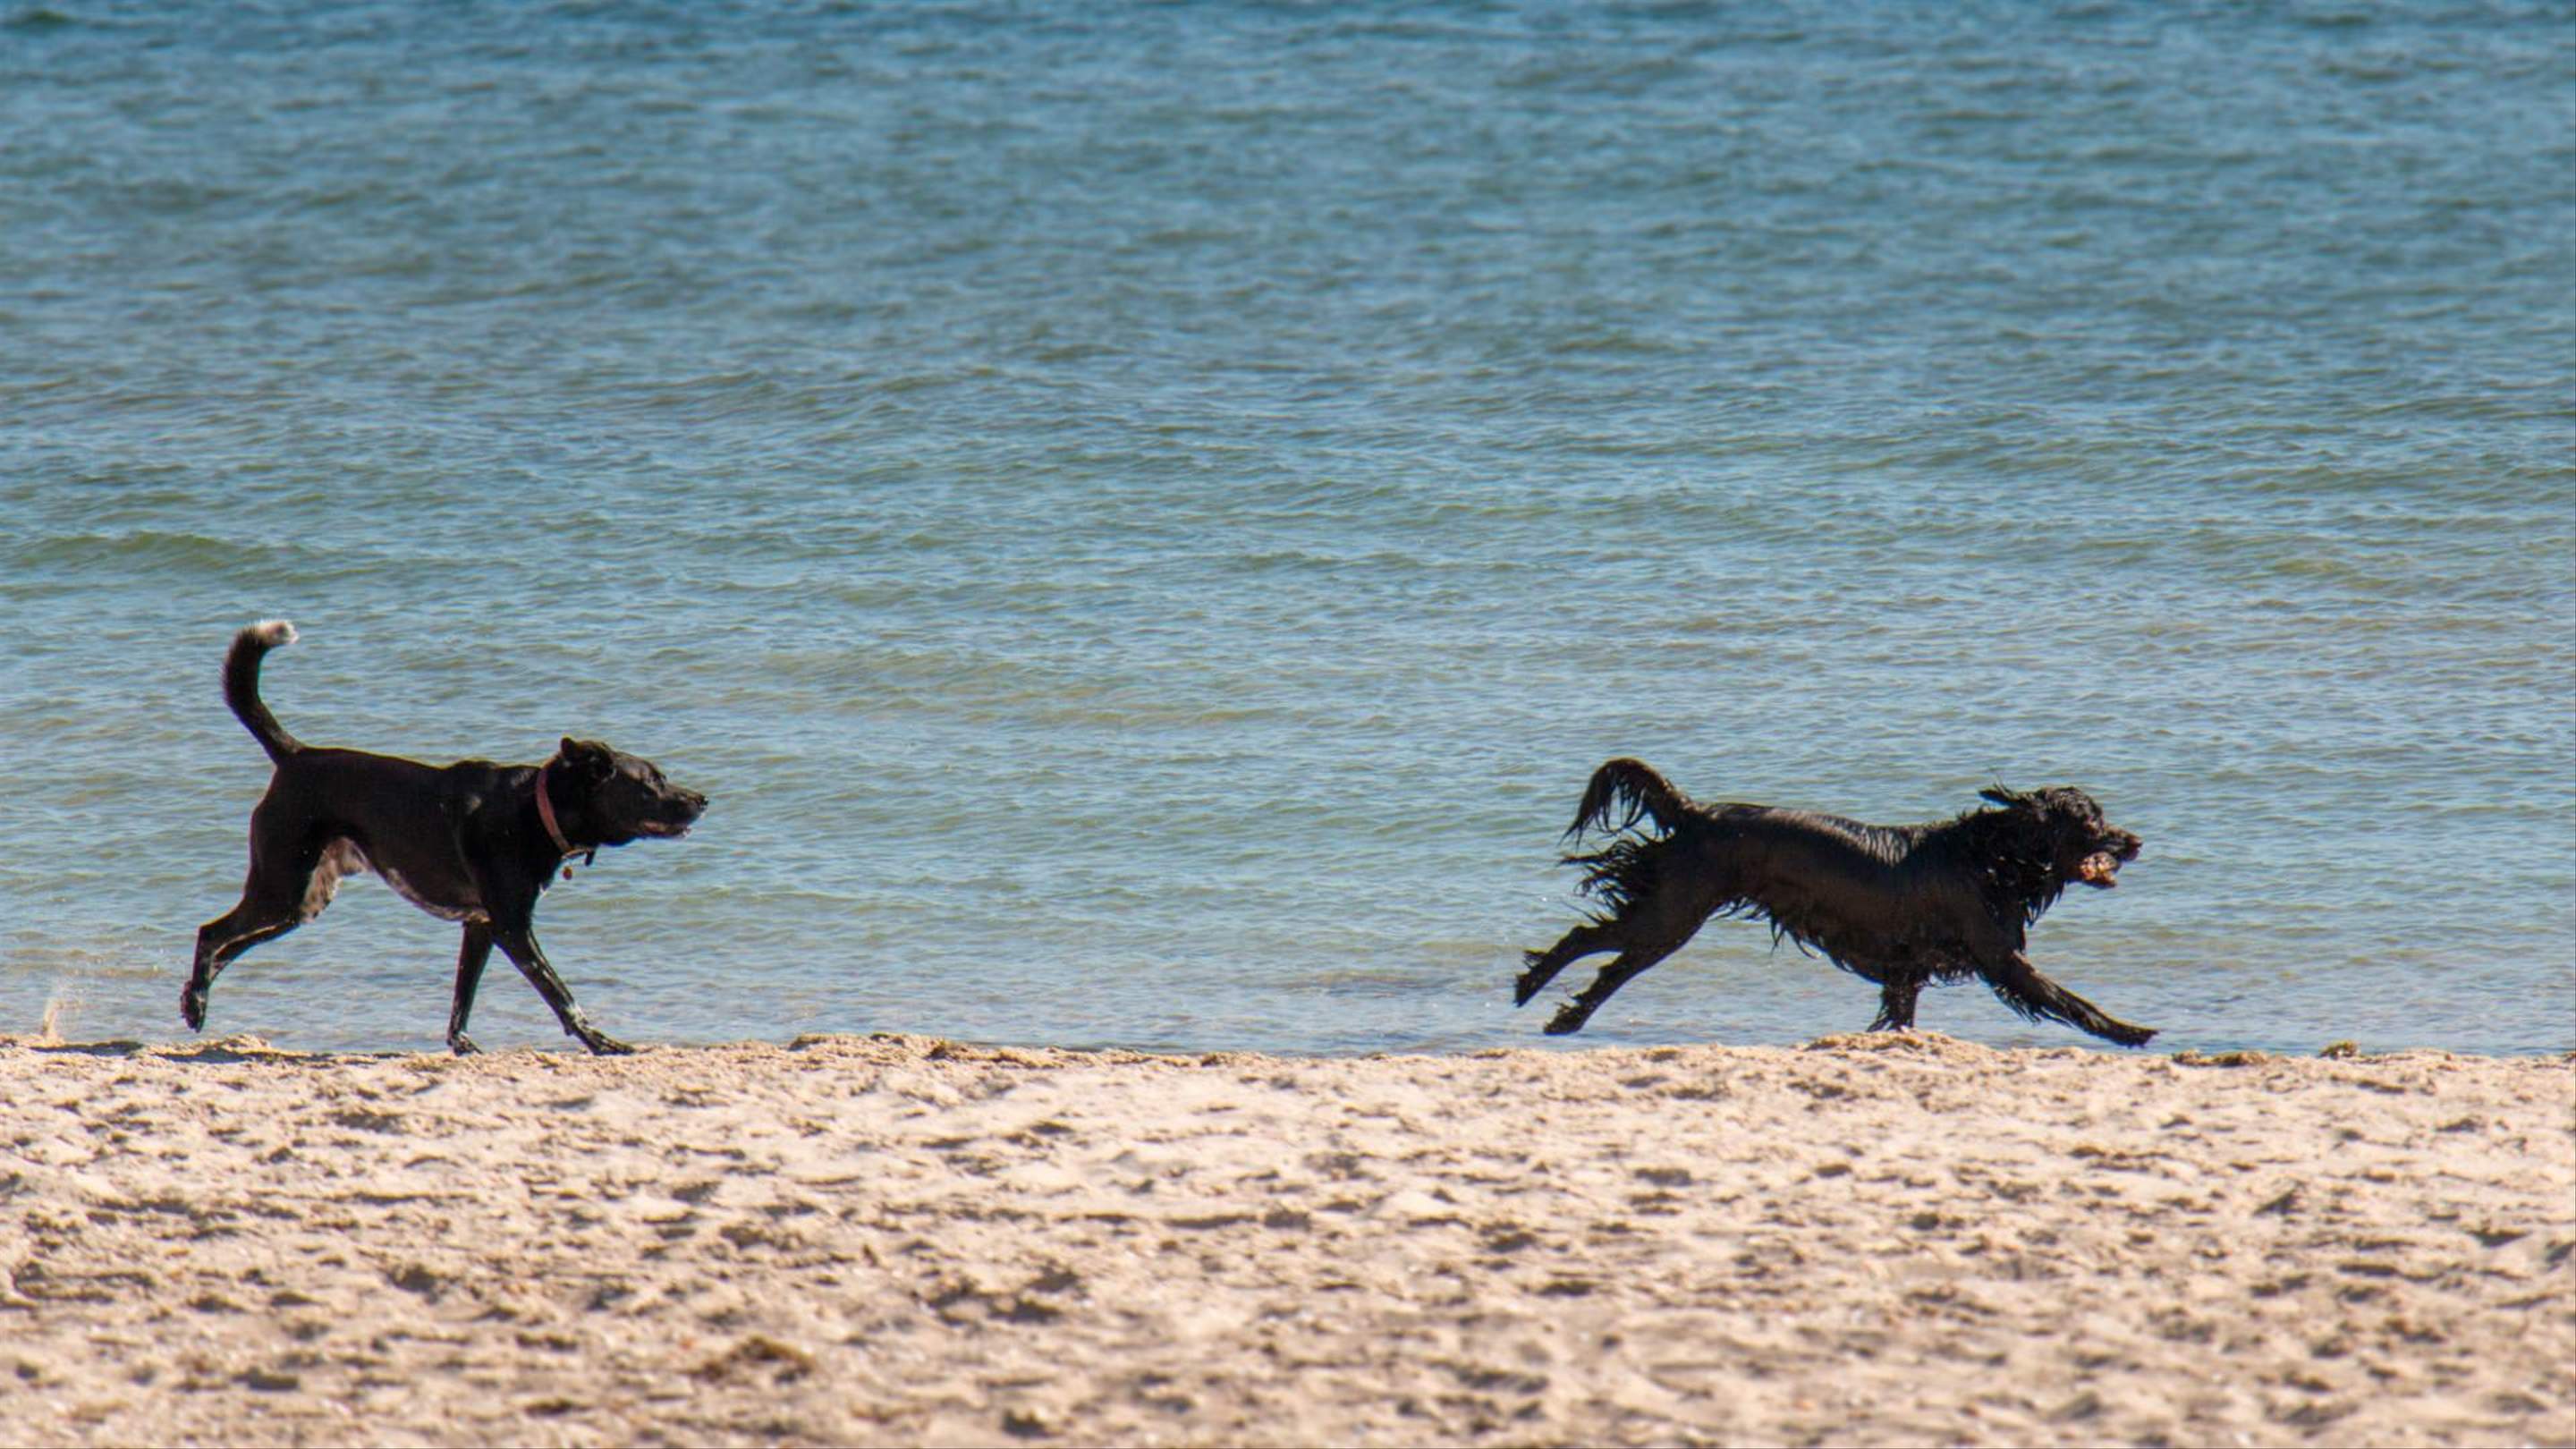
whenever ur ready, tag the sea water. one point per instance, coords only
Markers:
(1143, 518)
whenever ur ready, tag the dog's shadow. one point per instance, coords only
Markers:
(224, 1050)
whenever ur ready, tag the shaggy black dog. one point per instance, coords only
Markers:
(1899, 905)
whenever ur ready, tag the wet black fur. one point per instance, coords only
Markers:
(463, 842)
(1899, 905)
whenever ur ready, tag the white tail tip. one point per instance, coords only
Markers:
(275, 633)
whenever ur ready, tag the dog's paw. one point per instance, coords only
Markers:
(1568, 1020)
(192, 1008)
(607, 1046)
(463, 1045)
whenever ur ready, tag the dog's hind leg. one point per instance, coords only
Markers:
(2023, 989)
(469, 975)
(1626, 967)
(1588, 939)
(520, 944)
(1896, 1003)
(219, 941)
(275, 900)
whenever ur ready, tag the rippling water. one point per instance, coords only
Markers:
(1143, 519)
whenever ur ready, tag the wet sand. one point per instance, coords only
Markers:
(1889, 1239)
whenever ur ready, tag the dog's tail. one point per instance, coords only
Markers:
(1632, 789)
(241, 686)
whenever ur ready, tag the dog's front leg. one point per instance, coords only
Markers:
(469, 975)
(520, 944)
(2022, 988)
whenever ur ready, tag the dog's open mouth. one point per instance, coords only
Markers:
(660, 830)
(2100, 869)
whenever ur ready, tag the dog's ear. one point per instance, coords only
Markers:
(584, 758)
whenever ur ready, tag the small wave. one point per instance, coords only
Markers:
(168, 556)
(155, 548)
(1614, 78)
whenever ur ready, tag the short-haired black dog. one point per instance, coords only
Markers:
(1899, 905)
(473, 842)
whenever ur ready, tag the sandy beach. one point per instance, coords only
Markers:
(1891, 1239)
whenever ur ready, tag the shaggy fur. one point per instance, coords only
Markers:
(1899, 905)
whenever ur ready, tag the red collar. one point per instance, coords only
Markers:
(546, 813)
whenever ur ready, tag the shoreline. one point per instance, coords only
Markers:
(1878, 1239)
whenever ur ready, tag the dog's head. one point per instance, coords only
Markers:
(621, 797)
(2064, 828)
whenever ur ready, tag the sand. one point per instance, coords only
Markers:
(1898, 1239)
